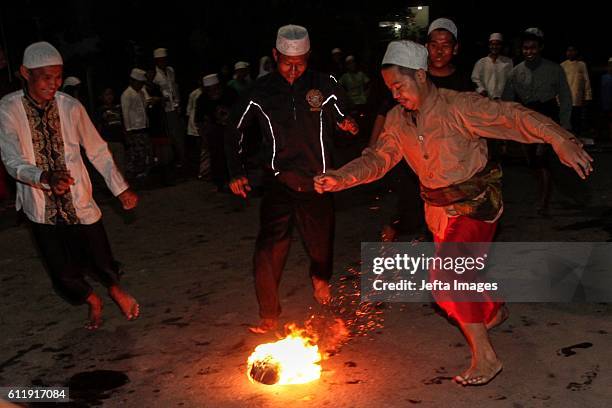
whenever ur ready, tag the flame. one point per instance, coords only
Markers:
(292, 360)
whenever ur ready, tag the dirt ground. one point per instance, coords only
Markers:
(187, 255)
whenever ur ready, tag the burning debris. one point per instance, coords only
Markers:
(294, 359)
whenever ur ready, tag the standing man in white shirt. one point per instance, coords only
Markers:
(136, 122)
(491, 72)
(165, 78)
(577, 76)
(42, 132)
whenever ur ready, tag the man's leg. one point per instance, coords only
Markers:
(271, 249)
(177, 135)
(473, 317)
(105, 268)
(315, 219)
(65, 273)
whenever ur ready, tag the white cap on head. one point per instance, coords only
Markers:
(535, 31)
(160, 53)
(496, 37)
(292, 40)
(443, 24)
(41, 54)
(240, 65)
(336, 51)
(210, 80)
(138, 75)
(406, 54)
(71, 81)
(349, 59)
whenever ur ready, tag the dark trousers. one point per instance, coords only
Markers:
(577, 120)
(281, 208)
(410, 217)
(69, 252)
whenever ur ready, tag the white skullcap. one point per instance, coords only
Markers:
(41, 54)
(535, 31)
(160, 53)
(292, 40)
(71, 81)
(240, 65)
(443, 24)
(349, 58)
(210, 80)
(138, 74)
(406, 54)
(496, 37)
(336, 51)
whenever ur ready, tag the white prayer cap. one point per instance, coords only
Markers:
(210, 80)
(336, 51)
(160, 53)
(535, 31)
(292, 40)
(138, 74)
(41, 54)
(240, 65)
(406, 54)
(71, 81)
(443, 24)
(349, 59)
(496, 37)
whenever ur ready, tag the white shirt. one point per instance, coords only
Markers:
(134, 109)
(492, 76)
(577, 76)
(167, 82)
(77, 131)
(192, 129)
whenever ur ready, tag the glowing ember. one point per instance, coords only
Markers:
(292, 360)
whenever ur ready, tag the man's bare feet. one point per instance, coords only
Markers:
(481, 372)
(485, 364)
(501, 316)
(95, 311)
(264, 326)
(128, 305)
(322, 292)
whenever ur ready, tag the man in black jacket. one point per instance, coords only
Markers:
(297, 110)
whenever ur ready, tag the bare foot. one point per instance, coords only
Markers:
(501, 316)
(95, 311)
(128, 305)
(264, 326)
(322, 293)
(481, 372)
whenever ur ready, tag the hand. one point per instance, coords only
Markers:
(572, 154)
(240, 186)
(129, 199)
(349, 125)
(325, 182)
(58, 181)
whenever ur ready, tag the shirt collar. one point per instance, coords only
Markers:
(430, 101)
(33, 102)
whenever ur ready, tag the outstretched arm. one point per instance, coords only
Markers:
(511, 121)
(373, 163)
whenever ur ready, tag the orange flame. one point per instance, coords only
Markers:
(292, 360)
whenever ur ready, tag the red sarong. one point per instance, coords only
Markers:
(465, 229)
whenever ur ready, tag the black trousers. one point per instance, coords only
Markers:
(410, 216)
(71, 251)
(281, 209)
